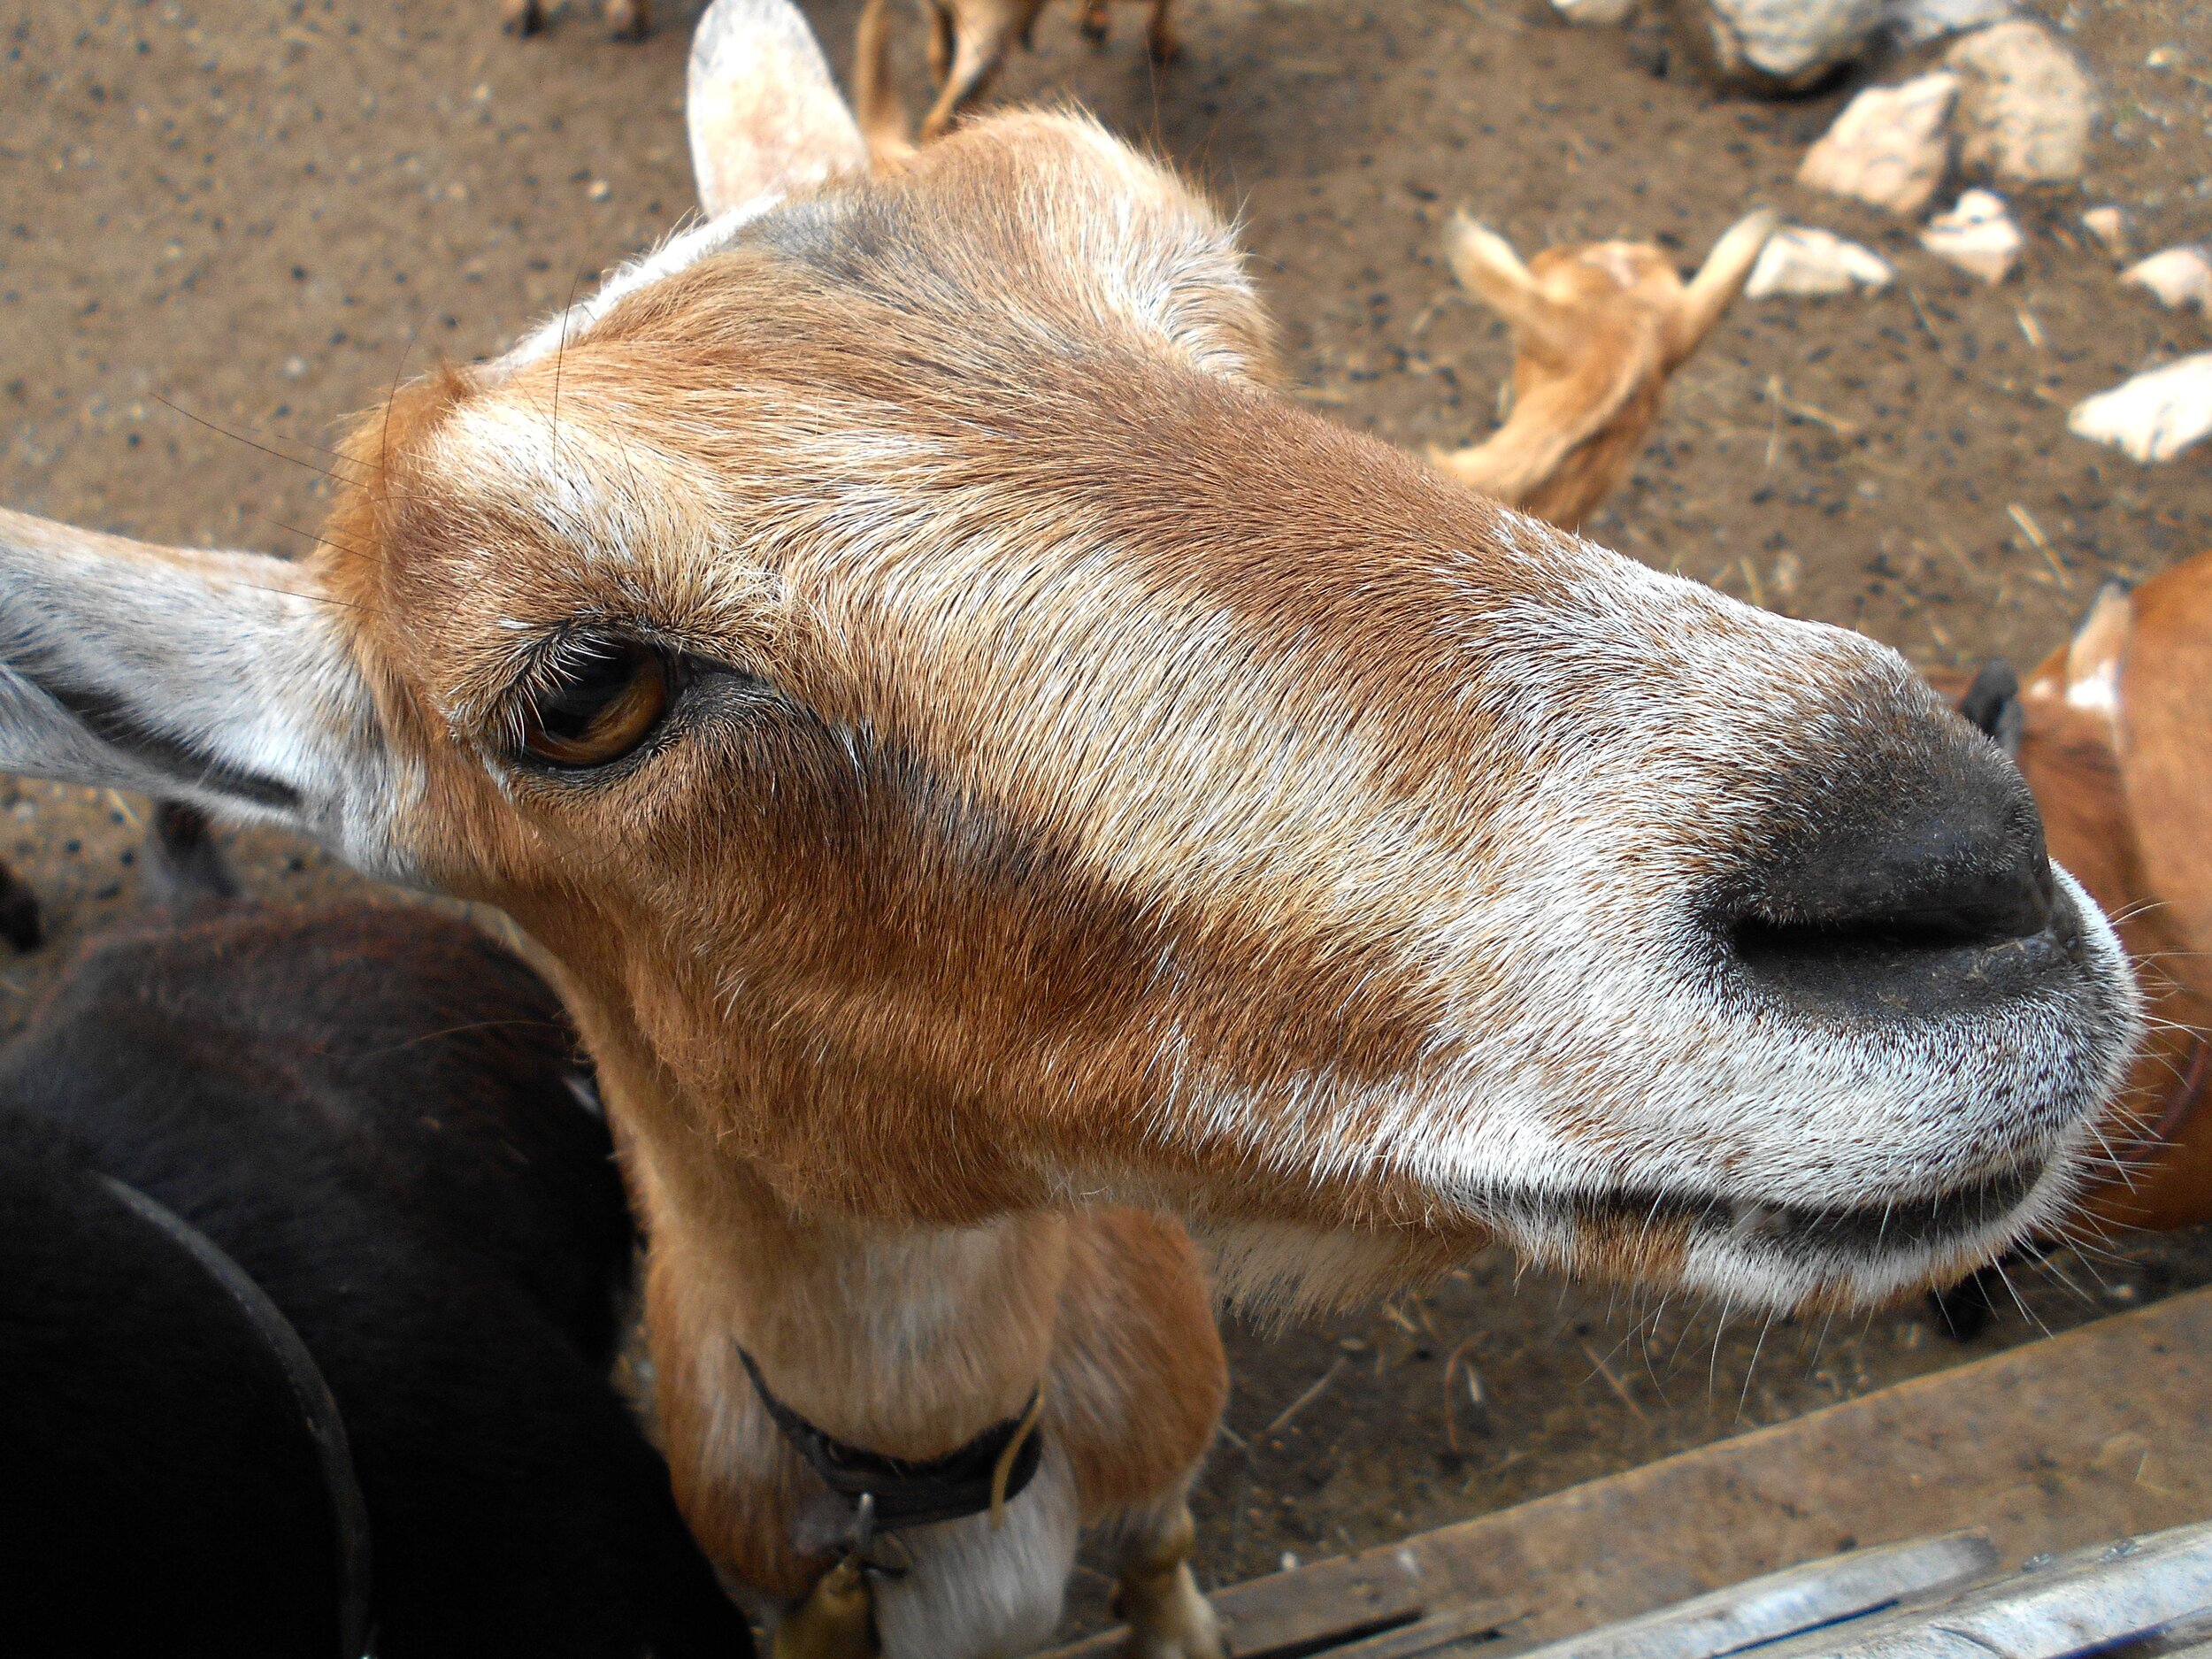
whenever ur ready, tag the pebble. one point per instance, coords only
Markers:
(1977, 236)
(1803, 259)
(1595, 12)
(1916, 22)
(2110, 226)
(2177, 277)
(1889, 147)
(2154, 416)
(1786, 45)
(2025, 105)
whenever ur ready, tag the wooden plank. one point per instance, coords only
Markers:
(2104, 1432)
(1467, 1622)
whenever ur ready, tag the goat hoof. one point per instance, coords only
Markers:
(521, 17)
(1169, 1617)
(1184, 1644)
(629, 20)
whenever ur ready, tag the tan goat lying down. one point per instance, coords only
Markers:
(967, 850)
(1597, 328)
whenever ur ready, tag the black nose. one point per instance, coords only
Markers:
(1908, 878)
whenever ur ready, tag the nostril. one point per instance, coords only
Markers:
(1917, 899)
(1941, 902)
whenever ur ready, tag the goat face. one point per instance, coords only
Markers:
(972, 746)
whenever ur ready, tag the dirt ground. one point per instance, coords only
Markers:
(224, 226)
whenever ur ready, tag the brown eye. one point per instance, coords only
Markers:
(607, 698)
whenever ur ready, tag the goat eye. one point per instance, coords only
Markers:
(607, 699)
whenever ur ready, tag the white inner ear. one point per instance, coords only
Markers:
(219, 679)
(764, 115)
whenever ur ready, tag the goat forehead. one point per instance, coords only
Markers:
(1592, 268)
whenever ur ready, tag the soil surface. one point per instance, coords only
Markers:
(225, 224)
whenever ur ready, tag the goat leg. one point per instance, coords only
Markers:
(183, 865)
(1159, 1598)
(19, 923)
(1161, 43)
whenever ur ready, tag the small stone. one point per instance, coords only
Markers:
(1595, 12)
(1802, 259)
(2025, 105)
(1788, 572)
(2154, 416)
(1889, 147)
(599, 190)
(2177, 277)
(2109, 226)
(1977, 236)
(295, 368)
(1786, 45)
(1916, 22)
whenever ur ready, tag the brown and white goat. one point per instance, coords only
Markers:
(2114, 733)
(1598, 329)
(968, 41)
(968, 855)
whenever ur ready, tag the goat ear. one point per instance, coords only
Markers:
(2099, 648)
(1492, 270)
(1991, 705)
(1488, 267)
(216, 679)
(766, 118)
(1717, 282)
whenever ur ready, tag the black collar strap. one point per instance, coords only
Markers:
(983, 1475)
(318, 1409)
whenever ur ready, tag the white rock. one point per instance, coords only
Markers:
(2178, 277)
(1977, 236)
(2109, 226)
(1802, 259)
(2154, 416)
(2025, 105)
(1595, 10)
(1787, 44)
(1889, 147)
(1916, 22)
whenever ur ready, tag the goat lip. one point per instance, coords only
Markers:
(1864, 1231)
(1802, 1236)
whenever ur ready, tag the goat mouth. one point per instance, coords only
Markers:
(1638, 1233)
